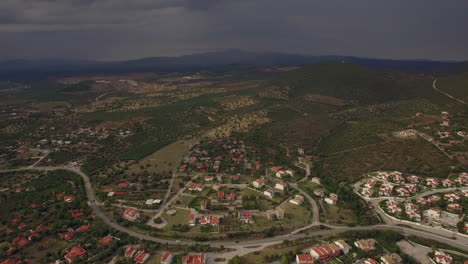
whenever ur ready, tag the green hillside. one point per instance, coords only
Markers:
(455, 85)
(354, 83)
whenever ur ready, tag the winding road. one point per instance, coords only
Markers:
(458, 243)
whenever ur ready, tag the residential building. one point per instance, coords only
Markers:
(331, 199)
(370, 261)
(131, 214)
(279, 213)
(167, 258)
(316, 180)
(448, 183)
(141, 256)
(441, 257)
(451, 197)
(365, 244)
(324, 253)
(258, 183)
(432, 182)
(298, 199)
(386, 189)
(194, 259)
(281, 186)
(268, 193)
(367, 192)
(74, 253)
(345, 248)
(402, 192)
(192, 219)
(304, 259)
(391, 259)
(455, 207)
(130, 252)
(245, 216)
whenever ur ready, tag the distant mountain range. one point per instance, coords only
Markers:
(25, 69)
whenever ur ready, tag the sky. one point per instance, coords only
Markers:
(130, 29)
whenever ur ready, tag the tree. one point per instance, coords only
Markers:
(284, 260)
(234, 260)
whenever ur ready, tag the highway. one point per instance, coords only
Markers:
(460, 244)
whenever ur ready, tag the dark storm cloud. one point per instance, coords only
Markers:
(120, 29)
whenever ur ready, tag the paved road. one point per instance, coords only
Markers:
(336, 230)
(313, 203)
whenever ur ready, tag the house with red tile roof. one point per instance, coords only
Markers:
(448, 183)
(370, 183)
(167, 258)
(83, 228)
(209, 220)
(22, 226)
(451, 197)
(393, 206)
(68, 235)
(69, 199)
(324, 253)
(59, 195)
(370, 261)
(131, 214)
(130, 252)
(304, 259)
(123, 185)
(141, 257)
(455, 207)
(196, 187)
(432, 182)
(192, 219)
(258, 183)
(216, 186)
(402, 191)
(386, 189)
(74, 253)
(412, 188)
(245, 216)
(12, 261)
(20, 242)
(441, 257)
(77, 215)
(367, 192)
(413, 179)
(365, 244)
(106, 240)
(194, 259)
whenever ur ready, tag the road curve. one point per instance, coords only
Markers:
(336, 230)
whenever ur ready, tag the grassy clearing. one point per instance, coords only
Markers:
(163, 160)
(336, 215)
(179, 218)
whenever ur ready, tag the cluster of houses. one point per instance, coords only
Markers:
(139, 256)
(324, 254)
(451, 217)
(220, 155)
(441, 257)
(168, 258)
(327, 253)
(203, 219)
(387, 184)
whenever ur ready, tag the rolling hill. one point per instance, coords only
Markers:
(354, 83)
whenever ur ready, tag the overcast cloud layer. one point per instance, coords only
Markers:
(127, 29)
